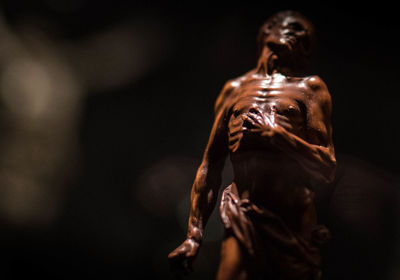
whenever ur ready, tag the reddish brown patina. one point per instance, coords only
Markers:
(274, 123)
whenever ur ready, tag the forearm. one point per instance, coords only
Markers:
(203, 198)
(318, 161)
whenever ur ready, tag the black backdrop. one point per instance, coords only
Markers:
(142, 128)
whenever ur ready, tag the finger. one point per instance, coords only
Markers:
(237, 121)
(236, 130)
(256, 130)
(233, 143)
(264, 132)
(255, 117)
(175, 253)
(234, 147)
(236, 135)
(286, 125)
(234, 138)
(282, 118)
(172, 255)
(270, 121)
(267, 132)
(249, 120)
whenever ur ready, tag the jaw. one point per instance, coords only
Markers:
(284, 61)
(281, 47)
(280, 56)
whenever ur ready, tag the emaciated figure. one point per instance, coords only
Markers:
(274, 122)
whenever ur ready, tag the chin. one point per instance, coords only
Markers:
(280, 48)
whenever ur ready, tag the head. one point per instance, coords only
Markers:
(289, 35)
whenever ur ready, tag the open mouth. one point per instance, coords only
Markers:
(280, 47)
(283, 44)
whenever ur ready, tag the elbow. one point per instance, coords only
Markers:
(206, 179)
(200, 179)
(331, 170)
(325, 173)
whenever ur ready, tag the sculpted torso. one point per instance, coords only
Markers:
(264, 173)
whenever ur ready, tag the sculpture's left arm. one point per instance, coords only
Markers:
(314, 152)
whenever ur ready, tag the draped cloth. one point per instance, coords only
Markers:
(271, 247)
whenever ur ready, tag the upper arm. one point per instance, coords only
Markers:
(217, 146)
(208, 175)
(209, 172)
(225, 94)
(319, 127)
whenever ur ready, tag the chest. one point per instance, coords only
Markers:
(261, 98)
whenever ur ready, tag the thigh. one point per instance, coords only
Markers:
(232, 265)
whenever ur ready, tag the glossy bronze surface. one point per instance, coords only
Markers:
(274, 123)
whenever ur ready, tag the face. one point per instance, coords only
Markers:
(288, 35)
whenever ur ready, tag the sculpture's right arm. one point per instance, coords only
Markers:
(208, 180)
(204, 192)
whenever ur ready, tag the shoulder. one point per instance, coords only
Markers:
(316, 88)
(235, 83)
(231, 85)
(228, 91)
(315, 83)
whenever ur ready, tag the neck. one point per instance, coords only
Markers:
(270, 63)
(266, 64)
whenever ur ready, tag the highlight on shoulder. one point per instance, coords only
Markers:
(227, 90)
(315, 82)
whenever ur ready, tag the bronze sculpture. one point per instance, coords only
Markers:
(274, 123)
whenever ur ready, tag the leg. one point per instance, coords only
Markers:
(232, 264)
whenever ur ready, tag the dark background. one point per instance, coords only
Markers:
(140, 141)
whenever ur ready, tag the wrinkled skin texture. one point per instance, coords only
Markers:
(274, 123)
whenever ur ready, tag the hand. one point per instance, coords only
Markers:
(181, 259)
(269, 126)
(256, 122)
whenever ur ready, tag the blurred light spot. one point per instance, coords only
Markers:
(24, 202)
(122, 54)
(164, 190)
(40, 98)
(162, 187)
(26, 88)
